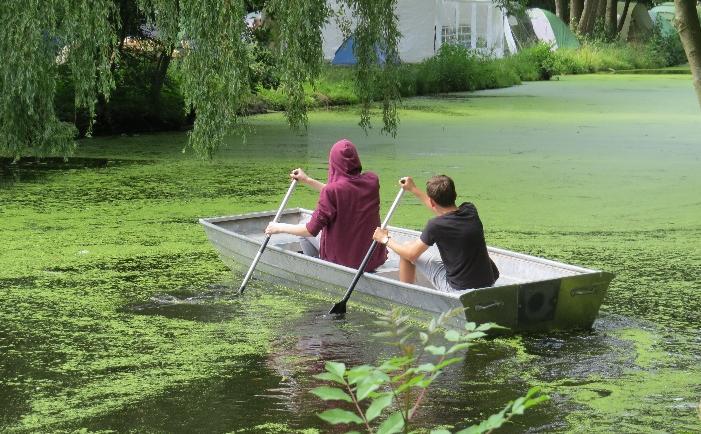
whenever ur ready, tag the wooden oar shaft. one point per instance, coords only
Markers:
(267, 238)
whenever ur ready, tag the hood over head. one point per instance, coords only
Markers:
(344, 161)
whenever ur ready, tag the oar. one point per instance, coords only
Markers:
(340, 307)
(267, 238)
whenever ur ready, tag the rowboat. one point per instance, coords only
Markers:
(531, 293)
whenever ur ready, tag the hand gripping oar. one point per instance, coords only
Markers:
(267, 238)
(340, 307)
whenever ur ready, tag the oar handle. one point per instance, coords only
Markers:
(267, 238)
(340, 307)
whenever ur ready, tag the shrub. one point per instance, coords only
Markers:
(131, 107)
(385, 398)
(668, 47)
(455, 68)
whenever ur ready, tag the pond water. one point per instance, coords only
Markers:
(117, 315)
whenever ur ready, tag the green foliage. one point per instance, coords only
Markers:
(217, 66)
(399, 385)
(542, 57)
(35, 38)
(668, 46)
(455, 68)
(300, 23)
(215, 78)
(131, 107)
(377, 31)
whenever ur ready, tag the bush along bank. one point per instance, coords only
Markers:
(132, 107)
(457, 69)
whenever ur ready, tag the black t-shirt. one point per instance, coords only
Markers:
(460, 238)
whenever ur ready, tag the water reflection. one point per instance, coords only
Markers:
(276, 385)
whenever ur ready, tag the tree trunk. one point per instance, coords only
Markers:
(576, 7)
(586, 22)
(624, 14)
(159, 76)
(687, 23)
(600, 12)
(561, 10)
(611, 18)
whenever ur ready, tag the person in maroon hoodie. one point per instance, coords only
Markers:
(346, 215)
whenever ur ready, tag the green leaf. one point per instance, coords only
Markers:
(432, 325)
(440, 431)
(336, 368)
(532, 391)
(448, 362)
(517, 406)
(370, 384)
(411, 383)
(405, 337)
(401, 320)
(424, 337)
(337, 415)
(436, 351)
(379, 404)
(393, 424)
(452, 336)
(426, 367)
(473, 335)
(331, 393)
(458, 347)
(487, 326)
(358, 373)
(330, 377)
(470, 326)
(535, 401)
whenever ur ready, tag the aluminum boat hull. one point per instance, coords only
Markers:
(531, 294)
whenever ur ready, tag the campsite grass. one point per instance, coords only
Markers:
(114, 313)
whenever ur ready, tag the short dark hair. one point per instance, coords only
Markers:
(441, 189)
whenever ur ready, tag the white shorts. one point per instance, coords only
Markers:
(431, 266)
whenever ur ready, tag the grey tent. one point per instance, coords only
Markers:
(637, 24)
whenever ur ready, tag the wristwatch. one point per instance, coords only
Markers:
(385, 240)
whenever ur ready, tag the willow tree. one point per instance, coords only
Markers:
(39, 37)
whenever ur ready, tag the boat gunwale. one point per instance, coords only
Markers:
(211, 222)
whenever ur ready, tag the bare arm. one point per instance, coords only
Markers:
(409, 186)
(409, 251)
(286, 228)
(302, 177)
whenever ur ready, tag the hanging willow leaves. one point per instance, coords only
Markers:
(300, 23)
(36, 39)
(39, 39)
(215, 68)
(376, 49)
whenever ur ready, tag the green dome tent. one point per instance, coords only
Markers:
(663, 15)
(562, 36)
(538, 25)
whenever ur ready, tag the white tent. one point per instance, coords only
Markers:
(427, 24)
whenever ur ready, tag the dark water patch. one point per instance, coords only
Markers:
(28, 169)
(19, 282)
(247, 396)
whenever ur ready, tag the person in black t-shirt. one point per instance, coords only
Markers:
(462, 261)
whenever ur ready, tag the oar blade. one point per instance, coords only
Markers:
(338, 308)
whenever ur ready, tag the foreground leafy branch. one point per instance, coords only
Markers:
(400, 385)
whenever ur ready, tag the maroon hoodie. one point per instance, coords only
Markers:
(348, 210)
